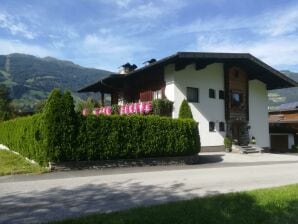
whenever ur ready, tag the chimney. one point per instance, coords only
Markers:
(153, 60)
(126, 68)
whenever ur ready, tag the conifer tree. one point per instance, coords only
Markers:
(185, 111)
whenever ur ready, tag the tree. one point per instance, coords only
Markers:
(185, 111)
(69, 125)
(52, 125)
(5, 103)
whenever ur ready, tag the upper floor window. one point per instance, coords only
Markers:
(221, 94)
(211, 126)
(236, 98)
(211, 93)
(192, 94)
(157, 94)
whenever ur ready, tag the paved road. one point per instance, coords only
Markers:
(52, 199)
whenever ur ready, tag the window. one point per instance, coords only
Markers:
(157, 94)
(211, 126)
(222, 126)
(192, 94)
(212, 93)
(236, 98)
(221, 94)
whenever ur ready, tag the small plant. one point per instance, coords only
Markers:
(185, 111)
(115, 109)
(253, 140)
(294, 148)
(228, 144)
(162, 107)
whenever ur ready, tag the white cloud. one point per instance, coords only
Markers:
(110, 50)
(15, 27)
(11, 46)
(280, 22)
(148, 10)
(275, 51)
(121, 3)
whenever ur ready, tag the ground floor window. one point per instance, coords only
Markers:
(211, 126)
(222, 126)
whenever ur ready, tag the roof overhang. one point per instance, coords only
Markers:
(256, 69)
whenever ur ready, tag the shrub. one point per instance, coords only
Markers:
(228, 142)
(115, 109)
(59, 134)
(24, 135)
(118, 137)
(162, 107)
(185, 111)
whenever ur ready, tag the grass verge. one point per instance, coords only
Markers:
(11, 163)
(275, 205)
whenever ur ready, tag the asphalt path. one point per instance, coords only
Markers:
(55, 196)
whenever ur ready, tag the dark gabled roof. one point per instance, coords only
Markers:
(257, 69)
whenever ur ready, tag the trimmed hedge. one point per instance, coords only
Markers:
(121, 137)
(24, 135)
(59, 134)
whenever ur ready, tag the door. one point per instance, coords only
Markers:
(279, 143)
(236, 132)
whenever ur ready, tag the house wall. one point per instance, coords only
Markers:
(258, 113)
(207, 109)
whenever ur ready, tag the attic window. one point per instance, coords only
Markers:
(236, 98)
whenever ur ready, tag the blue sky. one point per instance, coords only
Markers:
(108, 33)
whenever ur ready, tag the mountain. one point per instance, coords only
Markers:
(31, 78)
(281, 96)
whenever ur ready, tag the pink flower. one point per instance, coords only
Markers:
(96, 111)
(136, 108)
(108, 110)
(142, 107)
(131, 108)
(85, 112)
(148, 107)
(126, 111)
(122, 110)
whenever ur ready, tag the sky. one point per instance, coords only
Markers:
(108, 33)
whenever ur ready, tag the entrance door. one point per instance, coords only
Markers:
(236, 132)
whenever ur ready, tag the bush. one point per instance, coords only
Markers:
(162, 107)
(59, 134)
(119, 137)
(228, 143)
(185, 111)
(24, 135)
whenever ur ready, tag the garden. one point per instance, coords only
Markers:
(137, 130)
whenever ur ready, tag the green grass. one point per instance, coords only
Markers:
(11, 163)
(267, 206)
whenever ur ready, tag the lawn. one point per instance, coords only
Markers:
(275, 205)
(11, 163)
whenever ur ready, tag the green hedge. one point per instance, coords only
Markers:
(117, 137)
(24, 135)
(59, 134)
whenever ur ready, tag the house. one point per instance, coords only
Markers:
(227, 92)
(283, 127)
